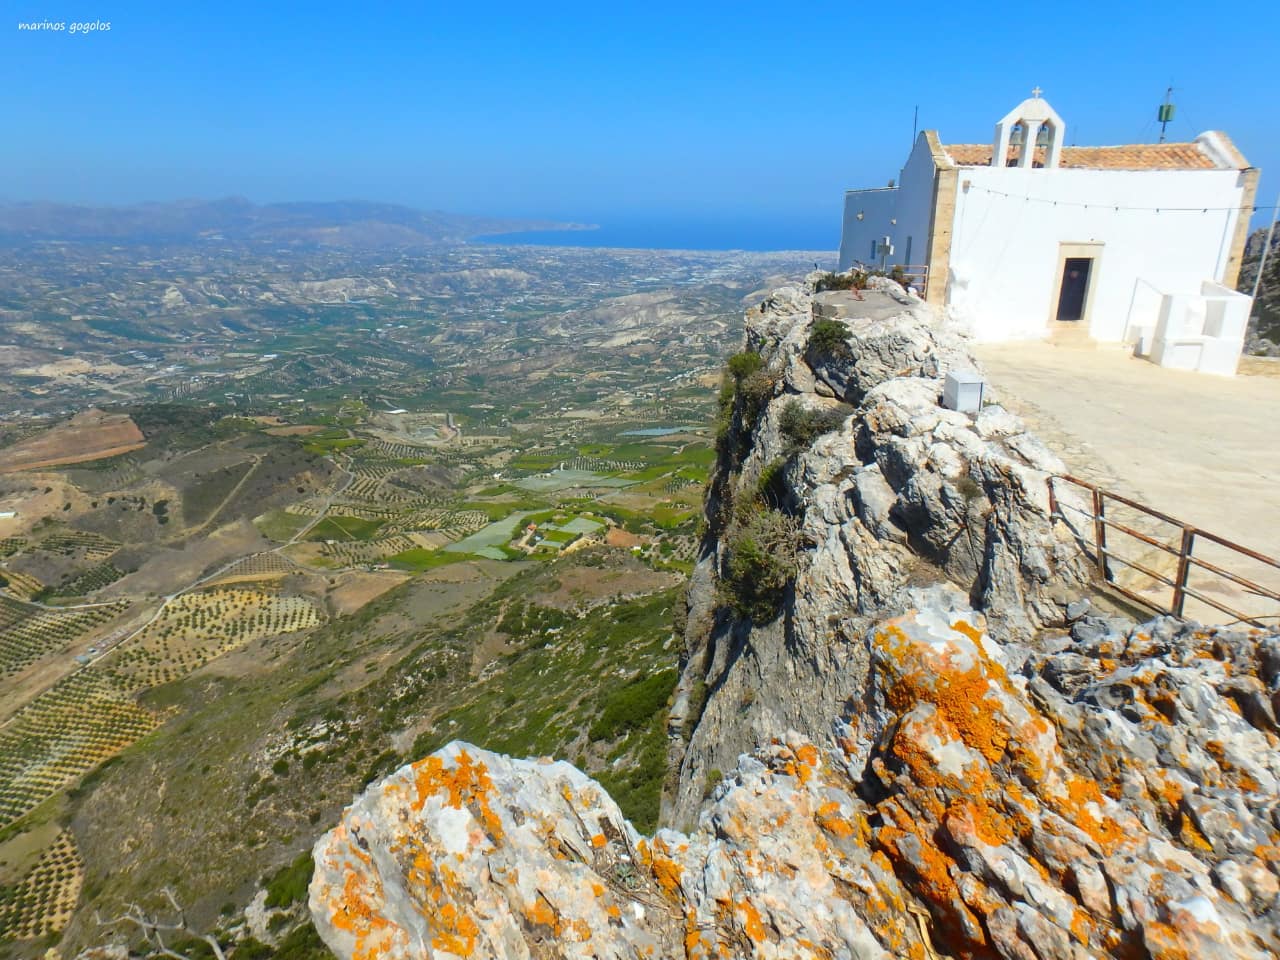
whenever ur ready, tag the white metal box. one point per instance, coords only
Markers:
(963, 391)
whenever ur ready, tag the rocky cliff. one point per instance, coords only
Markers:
(1264, 324)
(899, 732)
(901, 492)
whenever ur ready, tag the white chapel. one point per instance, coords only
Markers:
(1025, 237)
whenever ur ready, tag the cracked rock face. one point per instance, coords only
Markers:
(984, 803)
(904, 493)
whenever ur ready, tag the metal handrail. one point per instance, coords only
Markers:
(1184, 552)
(915, 271)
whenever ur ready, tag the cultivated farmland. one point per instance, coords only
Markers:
(28, 633)
(62, 735)
(42, 901)
(197, 627)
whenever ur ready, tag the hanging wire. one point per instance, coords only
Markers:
(1111, 206)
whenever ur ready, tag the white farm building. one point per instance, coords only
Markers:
(1024, 237)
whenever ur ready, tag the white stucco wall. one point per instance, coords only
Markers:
(878, 208)
(1005, 250)
(915, 205)
(910, 203)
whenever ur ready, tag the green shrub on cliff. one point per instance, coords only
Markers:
(828, 338)
(746, 389)
(742, 365)
(853, 280)
(633, 706)
(801, 425)
(288, 885)
(761, 563)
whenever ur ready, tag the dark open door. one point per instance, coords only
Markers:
(1075, 284)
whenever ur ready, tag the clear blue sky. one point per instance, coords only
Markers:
(597, 110)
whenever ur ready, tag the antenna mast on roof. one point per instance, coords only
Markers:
(915, 126)
(1165, 113)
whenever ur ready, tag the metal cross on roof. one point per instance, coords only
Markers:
(1036, 91)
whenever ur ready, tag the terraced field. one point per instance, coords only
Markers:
(21, 585)
(62, 735)
(89, 581)
(197, 627)
(597, 465)
(43, 900)
(94, 546)
(28, 632)
(260, 566)
(92, 714)
(456, 523)
(397, 451)
(372, 551)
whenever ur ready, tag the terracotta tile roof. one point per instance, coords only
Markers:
(1137, 156)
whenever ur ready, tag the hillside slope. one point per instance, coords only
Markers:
(355, 224)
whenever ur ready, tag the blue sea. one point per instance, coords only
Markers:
(757, 234)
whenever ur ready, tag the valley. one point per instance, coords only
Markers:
(264, 539)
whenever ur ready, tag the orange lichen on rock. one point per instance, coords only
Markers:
(1192, 837)
(667, 873)
(454, 931)
(987, 825)
(466, 784)
(917, 761)
(962, 695)
(542, 913)
(931, 867)
(1082, 798)
(1163, 942)
(1081, 925)
(807, 762)
(356, 916)
(830, 819)
(752, 925)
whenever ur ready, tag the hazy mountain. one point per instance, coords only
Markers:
(347, 223)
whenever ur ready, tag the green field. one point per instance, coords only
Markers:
(344, 528)
(420, 559)
(496, 534)
(280, 525)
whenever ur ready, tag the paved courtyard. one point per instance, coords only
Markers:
(1204, 449)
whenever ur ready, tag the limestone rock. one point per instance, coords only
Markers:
(904, 492)
(960, 809)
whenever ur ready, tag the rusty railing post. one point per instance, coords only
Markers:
(1100, 533)
(1184, 569)
(1180, 582)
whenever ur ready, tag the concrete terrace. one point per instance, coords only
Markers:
(1201, 448)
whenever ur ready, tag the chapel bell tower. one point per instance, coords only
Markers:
(1030, 125)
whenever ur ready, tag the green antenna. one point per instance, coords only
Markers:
(1165, 113)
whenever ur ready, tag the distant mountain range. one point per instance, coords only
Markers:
(348, 223)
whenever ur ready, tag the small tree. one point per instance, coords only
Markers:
(742, 365)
